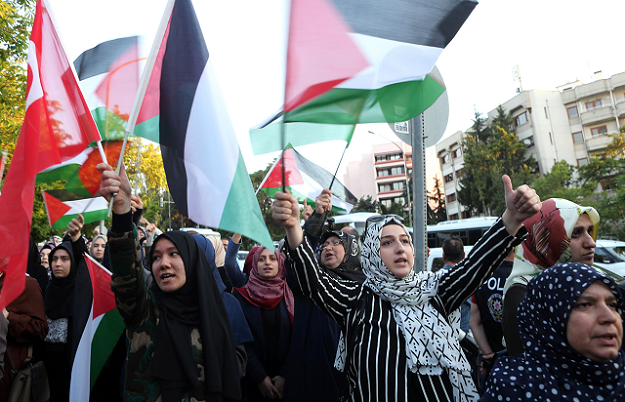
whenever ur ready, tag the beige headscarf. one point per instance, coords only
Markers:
(220, 251)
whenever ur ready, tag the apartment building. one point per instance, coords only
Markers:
(568, 123)
(382, 174)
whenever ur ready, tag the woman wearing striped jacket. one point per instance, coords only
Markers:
(401, 326)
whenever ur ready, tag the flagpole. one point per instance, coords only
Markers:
(143, 86)
(4, 159)
(337, 168)
(88, 205)
(286, 82)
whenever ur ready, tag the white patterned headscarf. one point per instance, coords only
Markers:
(431, 340)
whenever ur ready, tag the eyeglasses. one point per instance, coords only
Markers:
(379, 218)
(328, 244)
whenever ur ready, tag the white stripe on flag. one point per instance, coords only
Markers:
(78, 206)
(391, 62)
(76, 160)
(311, 188)
(80, 385)
(211, 152)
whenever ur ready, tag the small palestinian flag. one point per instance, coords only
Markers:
(62, 206)
(109, 78)
(383, 73)
(305, 180)
(80, 174)
(99, 335)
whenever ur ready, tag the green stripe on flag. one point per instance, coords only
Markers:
(61, 173)
(148, 129)
(241, 213)
(271, 192)
(268, 139)
(111, 324)
(392, 103)
(113, 129)
(93, 216)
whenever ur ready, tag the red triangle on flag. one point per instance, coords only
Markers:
(291, 172)
(321, 54)
(103, 297)
(55, 207)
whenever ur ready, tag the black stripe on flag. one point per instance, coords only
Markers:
(99, 59)
(184, 61)
(421, 22)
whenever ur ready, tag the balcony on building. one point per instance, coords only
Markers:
(620, 108)
(593, 89)
(597, 113)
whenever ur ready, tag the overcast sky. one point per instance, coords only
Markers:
(553, 42)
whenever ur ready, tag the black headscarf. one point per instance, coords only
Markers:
(196, 304)
(59, 296)
(349, 268)
(34, 267)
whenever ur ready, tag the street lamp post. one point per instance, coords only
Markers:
(405, 174)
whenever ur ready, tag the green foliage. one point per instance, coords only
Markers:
(490, 152)
(366, 204)
(559, 183)
(436, 203)
(608, 167)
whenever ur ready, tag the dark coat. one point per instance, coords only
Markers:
(257, 352)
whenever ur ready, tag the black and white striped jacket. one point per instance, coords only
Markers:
(377, 367)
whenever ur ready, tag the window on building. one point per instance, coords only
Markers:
(465, 214)
(457, 153)
(383, 172)
(399, 185)
(598, 131)
(445, 159)
(384, 187)
(409, 172)
(546, 115)
(399, 200)
(593, 104)
(449, 178)
(397, 170)
(459, 173)
(521, 119)
(577, 137)
(451, 197)
(572, 111)
(608, 185)
(529, 141)
(582, 161)
(550, 138)
(394, 157)
(381, 158)
(387, 203)
(453, 217)
(408, 157)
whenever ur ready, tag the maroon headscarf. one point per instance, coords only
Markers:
(267, 293)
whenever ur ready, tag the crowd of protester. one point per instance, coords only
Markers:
(329, 315)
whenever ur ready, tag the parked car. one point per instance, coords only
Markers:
(610, 254)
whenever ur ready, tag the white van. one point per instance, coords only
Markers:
(610, 254)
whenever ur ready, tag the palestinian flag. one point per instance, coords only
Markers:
(80, 174)
(305, 180)
(205, 170)
(109, 78)
(401, 42)
(63, 206)
(101, 333)
(267, 136)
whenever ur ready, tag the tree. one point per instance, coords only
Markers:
(489, 153)
(436, 203)
(366, 204)
(559, 183)
(608, 167)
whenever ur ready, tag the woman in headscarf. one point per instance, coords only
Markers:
(180, 343)
(401, 327)
(98, 246)
(562, 232)
(66, 313)
(571, 324)
(268, 305)
(240, 330)
(311, 375)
